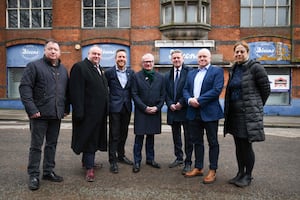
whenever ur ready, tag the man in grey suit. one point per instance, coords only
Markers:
(120, 106)
(176, 114)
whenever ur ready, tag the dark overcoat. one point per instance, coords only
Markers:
(178, 115)
(89, 99)
(146, 94)
(255, 92)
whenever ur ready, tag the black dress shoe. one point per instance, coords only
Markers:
(34, 183)
(136, 167)
(175, 163)
(186, 169)
(152, 163)
(236, 178)
(114, 168)
(125, 160)
(244, 181)
(52, 177)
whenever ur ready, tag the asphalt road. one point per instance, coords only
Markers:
(276, 172)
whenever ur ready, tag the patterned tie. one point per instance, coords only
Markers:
(98, 69)
(175, 83)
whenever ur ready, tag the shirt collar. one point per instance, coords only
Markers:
(204, 68)
(119, 70)
(177, 68)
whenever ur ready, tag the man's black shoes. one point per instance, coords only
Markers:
(176, 163)
(136, 167)
(152, 163)
(52, 177)
(34, 183)
(125, 160)
(114, 168)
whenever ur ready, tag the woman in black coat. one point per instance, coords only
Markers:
(247, 91)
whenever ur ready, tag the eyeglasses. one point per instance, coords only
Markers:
(148, 61)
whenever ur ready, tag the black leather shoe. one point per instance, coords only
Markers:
(236, 178)
(175, 163)
(186, 169)
(136, 168)
(114, 168)
(34, 183)
(152, 163)
(125, 160)
(244, 181)
(52, 177)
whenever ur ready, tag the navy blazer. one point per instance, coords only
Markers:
(213, 82)
(119, 96)
(178, 115)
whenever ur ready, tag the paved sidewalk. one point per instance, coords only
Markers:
(269, 121)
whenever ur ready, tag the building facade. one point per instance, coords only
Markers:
(271, 27)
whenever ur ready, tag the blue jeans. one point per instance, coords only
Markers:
(40, 129)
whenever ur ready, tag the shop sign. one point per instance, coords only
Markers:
(270, 52)
(189, 55)
(20, 55)
(108, 53)
(279, 83)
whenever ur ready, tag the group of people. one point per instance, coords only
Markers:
(192, 100)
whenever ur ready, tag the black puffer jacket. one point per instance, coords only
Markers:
(43, 89)
(255, 92)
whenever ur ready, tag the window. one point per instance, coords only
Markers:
(280, 90)
(29, 13)
(184, 11)
(265, 13)
(106, 13)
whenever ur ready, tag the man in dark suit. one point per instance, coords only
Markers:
(148, 93)
(176, 114)
(89, 98)
(201, 91)
(119, 82)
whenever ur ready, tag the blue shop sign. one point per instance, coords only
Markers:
(189, 55)
(270, 52)
(108, 53)
(20, 55)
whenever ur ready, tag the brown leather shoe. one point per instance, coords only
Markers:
(194, 172)
(211, 177)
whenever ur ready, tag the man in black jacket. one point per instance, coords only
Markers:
(43, 91)
(120, 106)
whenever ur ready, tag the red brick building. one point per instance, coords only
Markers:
(272, 28)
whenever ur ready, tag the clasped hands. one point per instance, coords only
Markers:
(151, 109)
(176, 106)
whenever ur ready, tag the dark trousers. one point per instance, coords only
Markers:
(197, 128)
(177, 141)
(88, 159)
(138, 145)
(42, 129)
(244, 155)
(118, 132)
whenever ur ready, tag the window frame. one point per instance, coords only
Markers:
(201, 7)
(30, 10)
(106, 9)
(250, 8)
